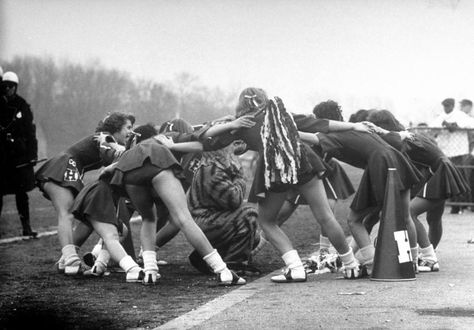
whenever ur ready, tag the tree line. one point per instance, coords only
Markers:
(69, 99)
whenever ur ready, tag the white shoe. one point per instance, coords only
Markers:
(234, 280)
(291, 275)
(356, 271)
(75, 267)
(151, 277)
(97, 270)
(60, 265)
(135, 275)
(427, 265)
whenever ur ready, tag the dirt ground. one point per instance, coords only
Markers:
(33, 293)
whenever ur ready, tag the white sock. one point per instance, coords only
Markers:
(348, 259)
(429, 253)
(414, 253)
(149, 261)
(97, 248)
(214, 260)
(70, 254)
(367, 254)
(324, 242)
(127, 263)
(103, 258)
(292, 259)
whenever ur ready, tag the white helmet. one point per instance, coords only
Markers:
(10, 76)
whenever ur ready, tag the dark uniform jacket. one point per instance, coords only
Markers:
(18, 146)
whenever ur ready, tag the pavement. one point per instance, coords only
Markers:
(441, 300)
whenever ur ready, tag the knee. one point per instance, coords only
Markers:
(110, 236)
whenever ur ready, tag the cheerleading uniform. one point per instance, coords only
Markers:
(375, 156)
(441, 178)
(68, 167)
(140, 164)
(310, 164)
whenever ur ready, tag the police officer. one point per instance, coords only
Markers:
(18, 148)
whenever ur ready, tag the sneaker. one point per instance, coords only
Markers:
(60, 265)
(427, 265)
(243, 269)
(235, 280)
(96, 270)
(135, 275)
(76, 267)
(151, 277)
(356, 271)
(290, 276)
(89, 259)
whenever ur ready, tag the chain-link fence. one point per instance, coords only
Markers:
(458, 145)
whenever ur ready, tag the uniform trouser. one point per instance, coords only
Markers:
(22, 205)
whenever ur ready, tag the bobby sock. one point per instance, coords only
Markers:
(324, 242)
(103, 258)
(97, 248)
(70, 254)
(414, 253)
(429, 253)
(214, 260)
(149, 261)
(127, 263)
(348, 259)
(367, 254)
(292, 259)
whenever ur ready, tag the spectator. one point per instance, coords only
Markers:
(18, 149)
(466, 106)
(454, 142)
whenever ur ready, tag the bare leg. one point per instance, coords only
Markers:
(315, 195)
(267, 217)
(62, 199)
(435, 224)
(419, 206)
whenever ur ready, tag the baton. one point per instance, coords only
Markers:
(30, 163)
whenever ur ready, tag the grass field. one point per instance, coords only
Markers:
(33, 293)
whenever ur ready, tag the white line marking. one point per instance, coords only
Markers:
(218, 305)
(26, 238)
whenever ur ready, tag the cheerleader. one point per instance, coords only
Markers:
(148, 174)
(284, 163)
(60, 178)
(375, 156)
(337, 186)
(441, 181)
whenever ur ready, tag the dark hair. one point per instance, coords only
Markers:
(386, 120)
(251, 100)
(359, 116)
(328, 110)
(448, 102)
(176, 125)
(114, 122)
(466, 102)
(145, 132)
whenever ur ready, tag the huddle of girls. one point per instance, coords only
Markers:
(295, 158)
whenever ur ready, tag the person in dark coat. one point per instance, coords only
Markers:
(18, 149)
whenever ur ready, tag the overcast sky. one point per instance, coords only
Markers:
(405, 55)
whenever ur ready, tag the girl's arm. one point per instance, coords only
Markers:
(310, 138)
(241, 122)
(182, 147)
(336, 126)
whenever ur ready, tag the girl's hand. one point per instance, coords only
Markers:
(406, 135)
(243, 122)
(165, 140)
(363, 127)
